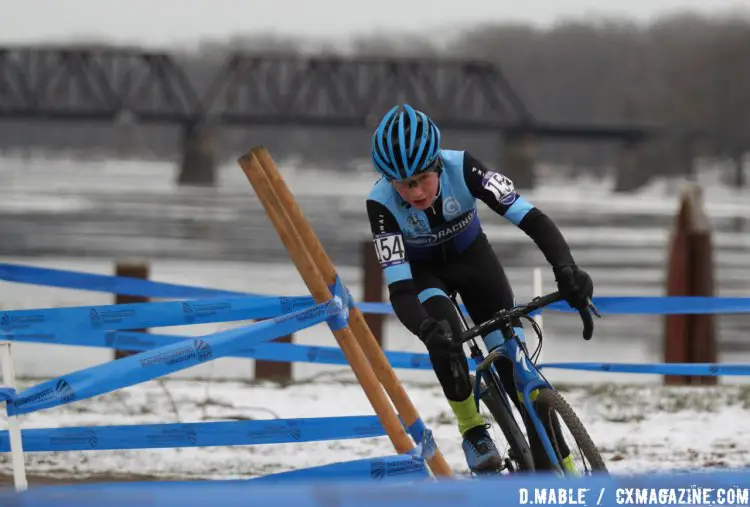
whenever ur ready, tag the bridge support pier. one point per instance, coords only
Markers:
(517, 159)
(198, 165)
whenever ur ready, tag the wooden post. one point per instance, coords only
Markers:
(675, 326)
(130, 269)
(320, 292)
(690, 338)
(372, 275)
(702, 329)
(275, 371)
(362, 332)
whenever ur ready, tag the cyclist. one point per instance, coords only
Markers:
(426, 231)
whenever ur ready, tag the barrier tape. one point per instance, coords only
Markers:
(162, 361)
(7, 394)
(426, 446)
(399, 467)
(702, 369)
(86, 319)
(724, 487)
(279, 352)
(343, 299)
(642, 305)
(107, 283)
(295, 353)
(665, 305)
(204, 434)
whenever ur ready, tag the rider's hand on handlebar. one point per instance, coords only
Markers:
(575, 286)
(437, 336)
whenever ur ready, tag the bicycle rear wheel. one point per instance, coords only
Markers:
(519, 452)
(549, 404)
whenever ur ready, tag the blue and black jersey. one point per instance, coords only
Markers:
(440, 236)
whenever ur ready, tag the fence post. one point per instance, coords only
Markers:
(14, 426)
(690, 338)
(130, 269)
(372, 275)
(275, 371)
(702, 329)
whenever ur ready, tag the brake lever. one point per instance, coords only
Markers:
(594, 310)
(588, 320)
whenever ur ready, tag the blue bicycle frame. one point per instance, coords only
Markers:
(526, 376)
(527, 379)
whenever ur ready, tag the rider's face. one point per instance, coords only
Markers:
(419, 190)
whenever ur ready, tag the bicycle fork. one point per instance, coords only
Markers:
(526, 377)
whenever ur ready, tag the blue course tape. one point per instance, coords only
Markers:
(343, 298)
(669, 305)
(107, 283)
(604, 491)
(280, 352)
(7, 394)
(295, 353)
(163, 436)
(161, 361)
(702, 369)
(85, 319)
(399, 467)
(426, 446)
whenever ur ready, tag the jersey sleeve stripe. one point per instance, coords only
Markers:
(397, 273)
(430, 293)
(518, 210)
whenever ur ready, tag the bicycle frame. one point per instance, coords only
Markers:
(525, 374)
(526, 378)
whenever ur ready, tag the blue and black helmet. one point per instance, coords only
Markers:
(405, 143)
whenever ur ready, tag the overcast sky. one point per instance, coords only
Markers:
(164, 23)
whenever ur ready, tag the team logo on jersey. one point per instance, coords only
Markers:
(451, 206)
(417, 223)
(444, 232)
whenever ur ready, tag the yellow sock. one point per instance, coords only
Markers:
(569, 465)
(532, 395)
(466, 414)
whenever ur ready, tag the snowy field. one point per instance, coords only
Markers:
(638, 429)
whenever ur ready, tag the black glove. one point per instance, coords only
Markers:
(437, 336)
(575, 285)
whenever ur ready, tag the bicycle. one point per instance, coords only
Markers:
(545, 405)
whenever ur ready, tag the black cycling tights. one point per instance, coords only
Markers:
(480, 280)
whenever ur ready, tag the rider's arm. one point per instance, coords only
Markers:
(389, 243)
(498, 192)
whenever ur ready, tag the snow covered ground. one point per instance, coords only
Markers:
(638, 429)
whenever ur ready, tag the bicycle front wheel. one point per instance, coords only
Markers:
(583, 456)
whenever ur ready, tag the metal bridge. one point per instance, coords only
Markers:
(87, 84)
(113, 84)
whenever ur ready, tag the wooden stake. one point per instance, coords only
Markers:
(364, 336)
(320, 292)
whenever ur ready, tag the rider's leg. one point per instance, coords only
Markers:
(452, 371)
(485, 290)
